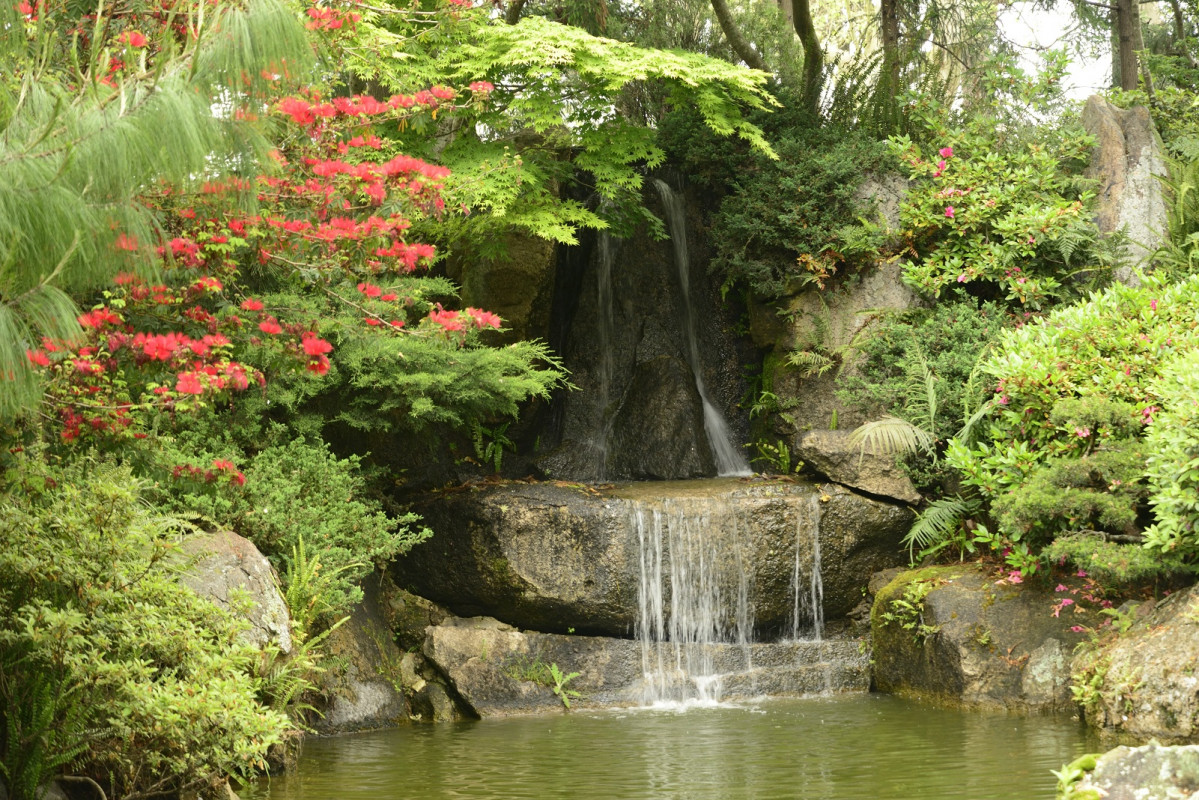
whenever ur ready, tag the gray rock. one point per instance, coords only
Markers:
(1128, 163)
(829, 322)
(1150, 683)
(1151, 772)
(231, 571)
(831, 454)
(366, 690)
(518, 285)
(557, 557)
(408, 614)
(886, 192)
(659, 428)
(991, 644)
(502, 672)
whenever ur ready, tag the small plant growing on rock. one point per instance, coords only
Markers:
(908, 611)
(560, 680)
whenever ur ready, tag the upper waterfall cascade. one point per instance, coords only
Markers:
(730, 460)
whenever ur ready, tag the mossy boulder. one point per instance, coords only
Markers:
(962, 636)
(1144, 684)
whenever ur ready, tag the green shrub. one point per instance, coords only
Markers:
(109, 668)
(1173, 466)
(299, 490)
(1075, 392)
(780, 224)
(1112, 564)
(1012, 222)
(922, 366)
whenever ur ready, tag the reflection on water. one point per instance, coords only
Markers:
(859, 747)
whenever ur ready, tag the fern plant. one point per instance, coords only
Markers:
(941, 525)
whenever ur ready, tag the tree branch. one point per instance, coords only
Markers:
(732, 33)
(512, 15)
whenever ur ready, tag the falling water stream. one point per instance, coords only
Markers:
(607, 247)
(729, 458)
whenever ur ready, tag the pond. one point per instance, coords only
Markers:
(848, 747)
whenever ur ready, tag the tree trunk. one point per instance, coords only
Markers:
(800, 14)
(737, 41)
(889, 24)
(512, 15)
(1128, 44)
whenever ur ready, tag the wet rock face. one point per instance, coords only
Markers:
(1150, 674)
(228, 568)
(1128, 163)
(985, 644)
(625, 344)
(499, 671)
(661, 408)
(558, 557)
(1151, 772)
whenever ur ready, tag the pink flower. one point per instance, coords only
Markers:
(1153, 305)
(962, 278)
(940, 166)
(250, 304)
(945, 152)
(1067, 602)
(189, 383)
(1015, 577)
(1077, 628)
(314, 346)
(949, 211)
(1061, 587)
(481, 87)
(1082, 573)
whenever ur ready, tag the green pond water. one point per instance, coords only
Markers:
(852, 747)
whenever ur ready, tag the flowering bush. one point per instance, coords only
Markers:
(1008, 219)
(1076, 393)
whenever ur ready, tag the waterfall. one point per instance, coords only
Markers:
(807, 587)
(729, 458)
(708, 605)
(696, 615)
(607, 247)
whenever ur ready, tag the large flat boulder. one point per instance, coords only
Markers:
(832, 454)
(556, 558)
(498, 670)
(958, 635)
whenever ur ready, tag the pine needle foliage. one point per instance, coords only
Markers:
(85, 131)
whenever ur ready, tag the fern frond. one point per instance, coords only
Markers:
(893, 436)
(935, 524)
(810, 362)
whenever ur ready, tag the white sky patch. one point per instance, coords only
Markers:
(1035, 29)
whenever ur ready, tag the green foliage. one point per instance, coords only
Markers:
(1069, 776)
(1173, 464)
(1110, 563)
(1097, 491)
(777, 229)
(1063, 450)
(907, 611)
(490, 444)
(559, 681)
(83, 135)
(922, 365)
(942, 525)
(1011, 220)
(554, 110)
(300, 491)
(113, 653)
(776, 456)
